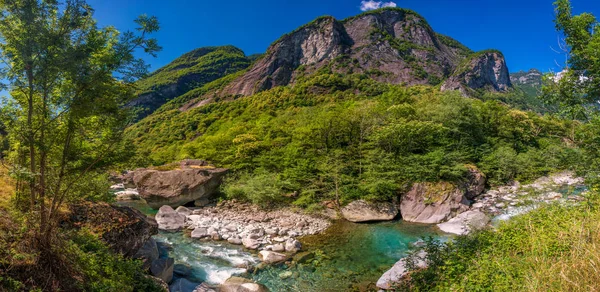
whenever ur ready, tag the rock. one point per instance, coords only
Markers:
(485, 70)
(177, 187)
(292, 245)
(235, 240)
(475, 184)
(279, 247)
(183, 285)
(238, 284)
(125, 230)
(250, 243)
(433, 202)
(398, 271)
(271, 257)
(362, 211)
(200, 232)
(159, 282)
(163, 268)
(477, 205)
(204, 288)
(500, 205)
(304, 257)
(182, 270)
(202, 202)
(554, 196)
(183, 210)
(285, 275)
(465, 223)
(117, 187)
(127, 195)
(169, 220)
(148, 253)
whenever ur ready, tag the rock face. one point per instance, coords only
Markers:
(433, 202)
(238, 284)
(398, 271)
(362, 211)
(486, 70)
(168, 219)
(185, 184)
(124, 229)
(465, 223)
(475, 182)
(163, 269)
(148, 253)
(397, 43)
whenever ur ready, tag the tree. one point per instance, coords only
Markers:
(68, 81)
(578, 87)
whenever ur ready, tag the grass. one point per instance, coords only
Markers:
(554, 248)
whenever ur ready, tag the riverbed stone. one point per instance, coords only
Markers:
(465, 223)
(200, 232)
(183, 285)
(163, 268)
(238, 284)
(147, 253)
(169, 220)
(250, 243)
(127, 195)
(292, 245)
(271, 257)
(363, 211)
(433, 202)
(398, 271)
(279, 247)
(183, 210)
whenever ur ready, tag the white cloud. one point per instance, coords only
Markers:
(371, 5)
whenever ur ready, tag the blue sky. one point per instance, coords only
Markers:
(522, 29)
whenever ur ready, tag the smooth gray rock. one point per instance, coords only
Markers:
(183, 285)
(238, 284)
(465, 223)
(433, 202)
(148, 253)
(292, 245)
(362, 211)
(168, 219)
(163, 269)
(183, 210)
(271, 257)
(399, 270)
(200, 232)
(250, 243)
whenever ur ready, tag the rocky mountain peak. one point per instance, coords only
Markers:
(532, 77)
(484, 70)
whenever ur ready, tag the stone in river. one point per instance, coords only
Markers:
(168, 219)
(362, 211)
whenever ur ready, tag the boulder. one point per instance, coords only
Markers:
(362, 211)
(182, 270)
(433, 202)
(148, 253)
(200, 232)
(183, 285)
(188, 183)
(465, 223)
(292, 245)
(168, 219)
(163, 269)
(238, 284)
(475, 183)
(183, 210)
(250, 243)
(204, 288)
(278, 247)
(125, 230)
(271, 257)
(234, 240)
(127, 195)
(398, 271)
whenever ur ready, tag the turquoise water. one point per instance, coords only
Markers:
(347, 257)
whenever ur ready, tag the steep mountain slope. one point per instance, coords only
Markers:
(530, 81)
(390, 45)
(191, 70)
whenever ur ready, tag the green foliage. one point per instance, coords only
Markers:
(578, 90)
(344, 137)
(105, 271)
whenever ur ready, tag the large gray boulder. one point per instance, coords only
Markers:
(475, 182)
(433, 202)
(362, 211)
(238, 284)
(183, 285)
(188, 182)
(465, 223)
(398, 271)
(148, 253)
(163, 269)
(168, 219)
(271, 257)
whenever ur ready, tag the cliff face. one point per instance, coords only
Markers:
(391, 45)
(486, 70)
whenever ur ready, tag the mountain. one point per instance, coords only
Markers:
(530, 81)
(191, 70)
(391, 45)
